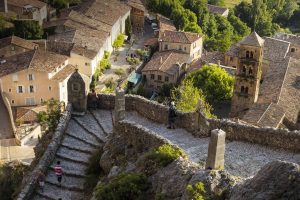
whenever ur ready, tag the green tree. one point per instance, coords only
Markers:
(217, 2)
(128, 27)
(215, 82)
(187, 97)
(52, 116)
(240, 28)
(28, 29)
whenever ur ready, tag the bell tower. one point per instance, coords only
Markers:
(248, 74)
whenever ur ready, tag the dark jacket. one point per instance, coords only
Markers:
(172, 112)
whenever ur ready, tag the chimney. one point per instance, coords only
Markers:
(3, 6)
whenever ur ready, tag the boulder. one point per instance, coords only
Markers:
(276, 180)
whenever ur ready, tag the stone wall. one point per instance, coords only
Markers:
(198, 125)
(30, 182)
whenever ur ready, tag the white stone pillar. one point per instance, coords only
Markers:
(216, 150)
(119, 111)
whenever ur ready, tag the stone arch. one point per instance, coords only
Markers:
(251, 54)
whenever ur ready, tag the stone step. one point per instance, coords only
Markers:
(104, 117)
(73, 155)
(68, 182)
(77, 131)
(70, 168)
(54, 192)
(76, 144)
(89, 123)
(79, 137)
(39, 197)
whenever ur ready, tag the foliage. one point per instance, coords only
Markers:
(141, 53)
(120, 72)
(93, 171)
(124, 186)
(110, 83)
(59, 4)
(217, 2)
(52, 116)
(187, 97)
(128, 27)
(119, 41)
(215, 82)
(103, 65)
(165, 154)
(166, 89)
(11, 176)
(196, 191)
(133, 61)
(28, 29)
(141, 91)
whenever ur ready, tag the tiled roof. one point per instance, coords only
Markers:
(293, 39)
(16, 63)
(46, 61)
(272, 117)
(166, 61)
(275, 49)
(216, 9)
(18, 42)
(165, 24)
(253, 40)
(64, 73)
(22, 3)
(234, 50)
(136, 4)
(179, 37)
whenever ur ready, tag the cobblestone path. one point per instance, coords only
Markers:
(83, 136)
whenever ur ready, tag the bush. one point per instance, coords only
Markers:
(165, 154)
(197, 191)
(124, 186)
(119, 72)
(119, 41)
(133, 61)
(11, 176)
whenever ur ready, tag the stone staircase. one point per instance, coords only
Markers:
(83, 136)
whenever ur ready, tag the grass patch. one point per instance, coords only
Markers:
(120, 72)
(197, 191)
(232, 3)
(165, 154)
(124, 186)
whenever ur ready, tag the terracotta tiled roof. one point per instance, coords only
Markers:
(64, 73)
(216, 9)
(22, 3)
(179, 37)
(136, 4)
(18, 42)
(275, 49)
(16, 63)
(272, 117)
(293, 39)
(46, 61)
(166, 61)
(253, 40)
(165, 24)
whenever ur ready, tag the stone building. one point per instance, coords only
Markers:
(272, 99)
(218, 10)
(29, 9)
(294, 40)
(137, 15)
(3, 6)
(248, 74)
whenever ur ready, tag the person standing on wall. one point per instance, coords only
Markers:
(172, 115)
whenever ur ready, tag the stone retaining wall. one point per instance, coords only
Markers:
(46, 160)
(198, 125)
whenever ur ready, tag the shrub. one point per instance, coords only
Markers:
(124, 186)
(119, 72)
(133, 61)
(119, 41)
(197, 191)
(165, 154)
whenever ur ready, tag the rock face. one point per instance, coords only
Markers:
(276, 180)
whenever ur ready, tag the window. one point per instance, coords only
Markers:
(293, 50)
(166, 78)
(246, 90)
(242, 89)
(180, 47)
(244, 69)
(20, 89)
(251, 54)
(247, 54)
(12, 101)
(42, 100)
(250, 71)
(231, 59)
(87, 64)
(194, 45)
(15, 77)
(159, 77)
(50, 88)
(9, 90)
(29, 101)
(30, 77)
(75, 87)
(185, 48)
(152, 76)
(144, 77)
(31, 89)
(166, 47)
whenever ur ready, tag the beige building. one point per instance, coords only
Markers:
(186, 42)
(137, 15)
(164, 68)
(29, 9)
(273, 99)
(34, 76)
(90, 29)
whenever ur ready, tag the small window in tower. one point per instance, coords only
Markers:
(250, 71)
(231, 59)
(247, 54)
(251, 54)
(246, 90)
(244, 69)
(242, 89)
(293, 50)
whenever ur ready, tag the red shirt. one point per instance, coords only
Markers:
(58, 170)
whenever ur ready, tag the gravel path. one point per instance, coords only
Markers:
(241, 159)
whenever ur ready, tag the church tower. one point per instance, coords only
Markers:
(248, 74)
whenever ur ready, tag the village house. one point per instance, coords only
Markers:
(294, 40)
(218, 10)
(34, 76)
(164, 68)
(28, 9)
(137, 15)
(90, 29)
(267, 86)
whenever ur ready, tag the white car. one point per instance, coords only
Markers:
(154, 26)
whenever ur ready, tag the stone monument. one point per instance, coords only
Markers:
(3, 6)
(216, 150)
(119, 111)
(78, 85)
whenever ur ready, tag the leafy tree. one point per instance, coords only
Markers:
(28, 29)
(215, 82)
(52, 116)
(193, 27)
(119, 41)
(217, 2)
(197, 191)
(240, 28)
(187, 97)
(244, 12)
(128, 27)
